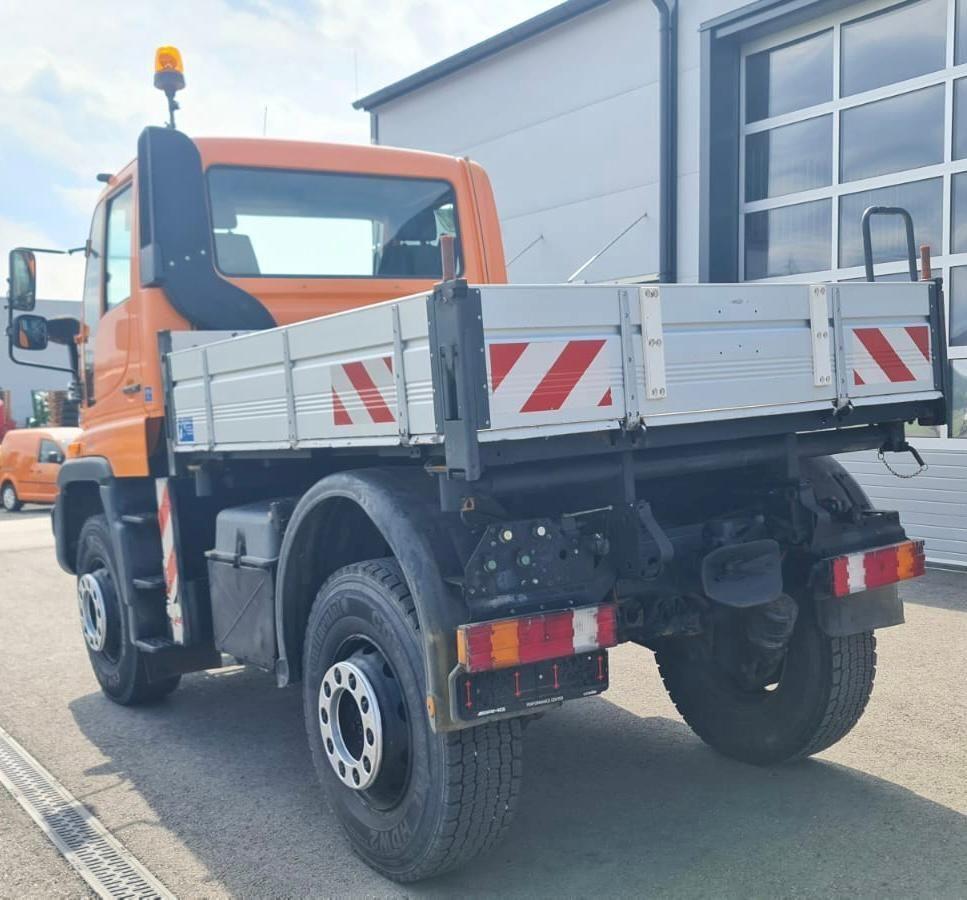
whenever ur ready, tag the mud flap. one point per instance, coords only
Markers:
(856, 613)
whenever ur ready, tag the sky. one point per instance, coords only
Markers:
(76, 88)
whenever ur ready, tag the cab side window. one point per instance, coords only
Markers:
(117, 268)
(50, 453)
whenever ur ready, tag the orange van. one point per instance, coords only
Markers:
(30, 459)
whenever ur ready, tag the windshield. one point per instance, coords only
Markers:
(272, 223)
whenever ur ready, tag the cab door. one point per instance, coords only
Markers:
(111, 349)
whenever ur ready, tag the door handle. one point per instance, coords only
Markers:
(131, 389)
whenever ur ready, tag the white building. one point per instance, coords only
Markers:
(22, 381)
(785, 119)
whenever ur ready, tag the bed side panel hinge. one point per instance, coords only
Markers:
(653, 343)
(820, 335)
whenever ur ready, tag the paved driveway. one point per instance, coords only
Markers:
(215, 794)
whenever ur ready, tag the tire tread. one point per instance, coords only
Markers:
(851, 683)
(483, 764)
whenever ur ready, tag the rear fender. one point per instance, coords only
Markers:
(861, 612)
(401, 517)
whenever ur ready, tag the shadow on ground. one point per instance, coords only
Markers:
(27, 512)
(612, 804)
(940, 588)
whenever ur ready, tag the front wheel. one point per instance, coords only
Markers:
(412, 802)
(8, 496)
(116, 661)
(817, 695)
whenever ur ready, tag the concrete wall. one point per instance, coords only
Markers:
(566, 126)
(21, 380)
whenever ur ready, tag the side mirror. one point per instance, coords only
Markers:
(29, 333)
(23, 279)
(53, 456)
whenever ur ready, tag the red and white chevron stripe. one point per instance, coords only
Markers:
(170, 560)
(363, 392)
(891, 355)
(549, 375)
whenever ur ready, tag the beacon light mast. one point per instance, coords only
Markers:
(169, 76)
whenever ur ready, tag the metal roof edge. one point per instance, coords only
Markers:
(532, 27)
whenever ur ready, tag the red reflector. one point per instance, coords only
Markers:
(607, 625)
(880, 567)
(840, 577)
(529, 639)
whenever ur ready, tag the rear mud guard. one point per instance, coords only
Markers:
(857, 613)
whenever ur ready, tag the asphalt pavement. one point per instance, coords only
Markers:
(214, 791)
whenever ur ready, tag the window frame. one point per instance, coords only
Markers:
(459, 242)
(109, 202)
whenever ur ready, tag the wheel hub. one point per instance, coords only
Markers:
(9, 498)
(90, 602)
(351, 725)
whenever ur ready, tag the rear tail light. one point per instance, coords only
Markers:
(527, 639)
(875, 568)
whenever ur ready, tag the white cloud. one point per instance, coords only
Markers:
(76, 83)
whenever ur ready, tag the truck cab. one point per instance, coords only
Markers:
(283, 231)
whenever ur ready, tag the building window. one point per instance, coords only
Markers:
(787, 240)
(893, 45)
(903, 132)
(795, 76)
(923, 200)
(866, 106)
(789, 159)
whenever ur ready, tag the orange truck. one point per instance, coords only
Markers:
(322, 435)
(30, 461)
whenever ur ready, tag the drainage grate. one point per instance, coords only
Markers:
(100, 859)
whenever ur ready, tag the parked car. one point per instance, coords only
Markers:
(30, 459)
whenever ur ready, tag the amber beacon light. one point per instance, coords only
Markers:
(169, 76)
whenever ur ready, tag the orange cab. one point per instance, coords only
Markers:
(30, 459)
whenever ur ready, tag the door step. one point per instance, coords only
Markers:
(154, 644)
(149, 583)
(140, 518)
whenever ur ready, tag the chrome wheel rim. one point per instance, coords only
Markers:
(9, 498)
(350, 724)
(90, 602)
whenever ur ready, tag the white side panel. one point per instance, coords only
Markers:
(560, 358)
(341, 371)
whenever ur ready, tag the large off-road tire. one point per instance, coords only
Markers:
(118, 665)
(412, 802)
(823, 687)
(8, 497)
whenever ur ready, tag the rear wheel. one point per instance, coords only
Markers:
(413, 803)
(117, 663)
(815, 695)
(8, 496)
